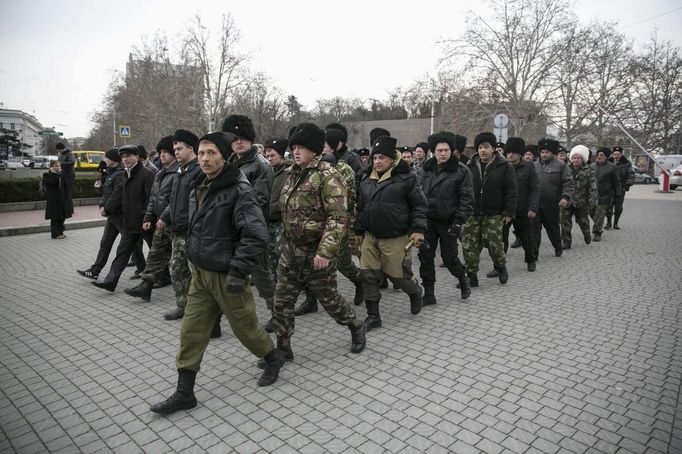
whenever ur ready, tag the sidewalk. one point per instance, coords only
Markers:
(33, 221)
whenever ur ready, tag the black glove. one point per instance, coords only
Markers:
(455, 230)
(236, 281)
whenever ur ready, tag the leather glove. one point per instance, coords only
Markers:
(235, 283)
(417, 239)
(455, 230)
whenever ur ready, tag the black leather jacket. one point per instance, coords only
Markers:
(227, 232)
(112, 192)
(495, 191)
(176, 214)
(161, 191)
(449, 191)
(527, 187)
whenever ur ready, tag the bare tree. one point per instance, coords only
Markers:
(219, 62)
(264, 103)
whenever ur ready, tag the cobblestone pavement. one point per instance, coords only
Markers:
(37, 217)
(582, 356)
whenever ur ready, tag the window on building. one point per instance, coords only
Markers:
(11, 126)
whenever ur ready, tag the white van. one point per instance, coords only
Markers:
(668, 161)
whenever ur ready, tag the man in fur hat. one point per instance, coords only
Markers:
(584, 200)
(609, 188)
(626, 176)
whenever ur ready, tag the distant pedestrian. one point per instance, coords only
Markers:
(58, 206)
(609, 189)
(584, 200)
(626, 177)
(67, 163)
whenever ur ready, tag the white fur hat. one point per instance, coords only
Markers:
(582, 151)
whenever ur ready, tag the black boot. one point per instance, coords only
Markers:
(565, 245)
(464, 286)
(105, 285)
(416, 301)
(217, 332)
(608, 223)
(384, 283)
(359, 293)
(429, 295)
(142, 290)
(269, 326)
(493, 273)
(373, 319)
(587, 237)
(473, 280)
(183, 398)
(358, 332)
(616, 218)
(531, 266)
(163, 282)
(516, 243)
(308, 306)
(596, 236)
(273, 363)
(175, 314)
(284, 346)
(502, 274)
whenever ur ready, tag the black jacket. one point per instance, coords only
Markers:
(449, 191)
(227, 231)
(495, 190)
(259, 172)
(527, 188)
(608, 185)
(112, 192)
(353, 160)
(161, 191)
(556, 182)
(137, 186)
(176, 213)
(58, 206)
(392, 206)
(626, 176)
(275, 211)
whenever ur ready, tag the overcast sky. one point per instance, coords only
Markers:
(58, 57)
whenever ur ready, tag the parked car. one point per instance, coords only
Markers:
(42, 162)
(13, 163)
(26, 162)
(676, 177)
(643, 177)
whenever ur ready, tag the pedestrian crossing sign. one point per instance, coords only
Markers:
(124, 131)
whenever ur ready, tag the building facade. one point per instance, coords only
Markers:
(28, 127)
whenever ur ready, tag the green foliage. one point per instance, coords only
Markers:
(26, 189)
(10, 141)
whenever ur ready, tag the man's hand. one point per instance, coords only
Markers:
(455, 230)
(235, 283)
(146, 225)
(563, 203)
(506, 219)
(101, 212)
(160, 224)
(532, 214)
(417, 239)
(320, 263)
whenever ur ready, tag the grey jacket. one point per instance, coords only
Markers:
(259, 172)
(161, 190)
(555, 181)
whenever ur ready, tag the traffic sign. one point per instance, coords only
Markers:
(124, 131)
(50, 133)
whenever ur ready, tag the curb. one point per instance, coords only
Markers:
(11, 231)
(40, 204)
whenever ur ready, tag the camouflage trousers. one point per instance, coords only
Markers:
(274, 252)
(264, 277)
(179, 269)
(159, 256)
(295, 273)
(582, 218)
(598, 216)
(346, 265)
(479, 232)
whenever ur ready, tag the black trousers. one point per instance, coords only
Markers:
(111, 230)
(56, 227)
(435, 232)
(125, 249)
(525, 230)
(549, 218)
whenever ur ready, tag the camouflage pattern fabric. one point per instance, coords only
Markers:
(295, 273)
(480, 231)
(179, 269)
(349, 177)
(598, 216)
(275, 247)
(584, 187)
(159, 256)
(582, 218)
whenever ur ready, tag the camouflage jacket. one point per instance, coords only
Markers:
(314, 209)
(348, 175)
(584, 187)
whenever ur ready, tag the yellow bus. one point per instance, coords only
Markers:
(88, 159)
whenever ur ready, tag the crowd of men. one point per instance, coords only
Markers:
(222, 210)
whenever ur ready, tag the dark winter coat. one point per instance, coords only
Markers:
(391, 205)
(227, 231)
(449, 191)
(161, 190)
(112, 192)
(67, 161)
(495, 190)
(137, 187)
(353, 160)
(527, 188)
(556, 182)
(626, 176)
(259, 172)
(176, 214)
(280, 175)
(608, 185)
(58, 206)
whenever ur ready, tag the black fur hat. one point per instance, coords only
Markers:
(549, 145)
(385, 145)
(440, 137)
(308, 135)
(376, 133)
(222, 140)
(423, 145)
(339, 127)
(485, 137)
(515, 145)
(166, 143)
(460, 143)
(187, 137)
(240, 126)
(533, 149)
(618, 149)
(128, 149)
(333, 137)
(363, 152)
(605, 150)
(499, 145)
(279, 145)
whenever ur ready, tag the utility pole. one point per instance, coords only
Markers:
(433, 102)
(115, 132)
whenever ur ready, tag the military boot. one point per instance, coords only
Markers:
(493, 273)
(273, 363)
(183, 398)
(596, 236)
(142, 290)
(373, 319)
(587, 237)
(416, 301)
(608, 223)
(384, 283)
(473, 280)
(359, 293)
(429, 295)
(358, 332)
(284, 346)
(175, 314)
(516, 243)
(308, 306)
(616, 218)
(502, 274)
(464, 286)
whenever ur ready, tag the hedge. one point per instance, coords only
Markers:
(26, 189)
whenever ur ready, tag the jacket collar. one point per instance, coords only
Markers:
(249, 156)
(449, 166)
(399, 166)
(227, 177)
